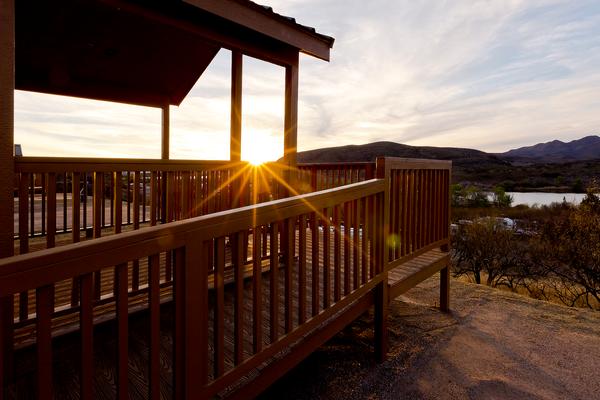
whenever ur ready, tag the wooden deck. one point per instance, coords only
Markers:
(203, 306)
(65, 343)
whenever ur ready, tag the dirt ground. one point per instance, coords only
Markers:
(493, 345)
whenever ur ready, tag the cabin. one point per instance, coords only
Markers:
(160, 278)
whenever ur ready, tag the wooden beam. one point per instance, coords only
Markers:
(7, 85)
(235, 145)
(165, 132)
(290, 135)
(265, 22)
(215, 31)
(7, 176)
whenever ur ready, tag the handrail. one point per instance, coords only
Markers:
(69, 164)
(40, 268)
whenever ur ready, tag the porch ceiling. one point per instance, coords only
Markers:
(145, 52)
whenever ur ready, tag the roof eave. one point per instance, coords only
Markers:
(254, 17)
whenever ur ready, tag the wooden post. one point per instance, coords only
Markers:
(165, 140)
(7, 174)
(381, 236)
(445, 288)
(290, 135)
(164, 155)
(235, 144)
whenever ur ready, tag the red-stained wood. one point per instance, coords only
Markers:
(235, 144)
(274, 282)
(219, 307)
(315, 262)
(154, 328)
(86, 326)
(44, 308)
(302, 269)
(238, 305)
(326, 259)
(75, 206)
(288, 265)
(337, 248)
(23, 237)
(347, 244)
(195, 374)
(256, 291)
(122, 309)
(355, 244)
(98, 207)
(51, 204)
(179, 351)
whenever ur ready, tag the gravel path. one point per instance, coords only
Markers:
(493, 345)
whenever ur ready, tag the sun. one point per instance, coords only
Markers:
(259, 147)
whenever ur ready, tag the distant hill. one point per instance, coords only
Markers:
(469, 166)
(587, 148)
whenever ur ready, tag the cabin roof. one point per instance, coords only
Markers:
(146, 52)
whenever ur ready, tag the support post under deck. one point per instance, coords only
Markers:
(7, 183)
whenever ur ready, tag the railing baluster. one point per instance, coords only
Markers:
(274, 282)
(122, 304)
(237, 241)
(364, 244)
(44, 307)
(117, 208)
(51, 203)
(144, 196)
(154, 188)
(32, 202)
(288, 251)
(185, 193)
(98, 206)
(154, 306)
(336, 254)
(179, 353)
(256, 290)
(326, 259)
(87, 331)
(23, 238)
(302, 269)
(347, 242)
(102, 199)
(196, 328)
(113, 194)
(135, 269)
(314, 261)
(43, 195)
(355, 244)
(75, 228)
(85, 196)
(219, 308)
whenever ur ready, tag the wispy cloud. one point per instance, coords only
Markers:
(485, 74)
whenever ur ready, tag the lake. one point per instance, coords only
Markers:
(542, 199)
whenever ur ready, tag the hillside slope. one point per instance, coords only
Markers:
(587, 148)
(492, 345)
(473, 166)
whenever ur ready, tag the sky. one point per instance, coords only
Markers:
(491, 75)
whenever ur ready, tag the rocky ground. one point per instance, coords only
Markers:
(493, 345)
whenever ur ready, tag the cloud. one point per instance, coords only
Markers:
(492, 75)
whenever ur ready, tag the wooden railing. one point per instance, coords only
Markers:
(319, 176)
(419, 206)
(111, 193)
(198, 246)
(307, 258)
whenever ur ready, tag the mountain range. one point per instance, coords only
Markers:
(551, 166)
(587, 148)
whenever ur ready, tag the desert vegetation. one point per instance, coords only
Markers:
(550, 253)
